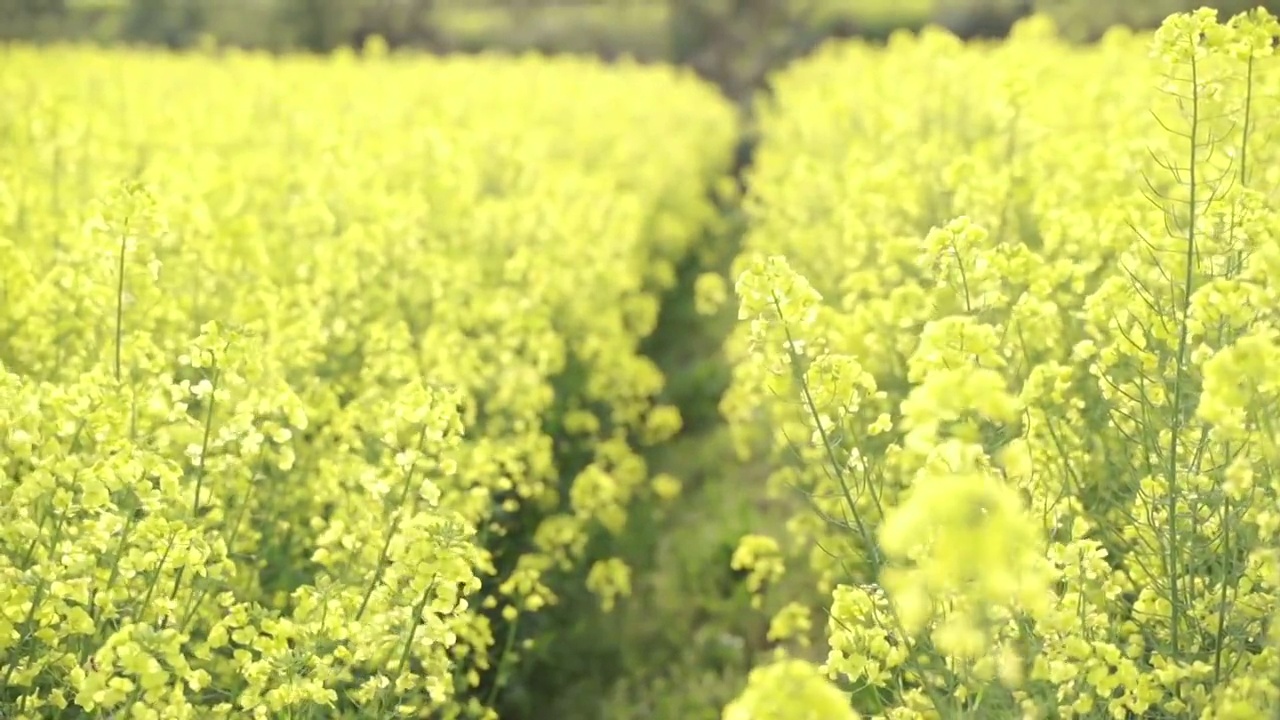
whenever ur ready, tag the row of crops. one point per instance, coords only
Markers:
(320, 377)
(1009, 330)
(316, 370)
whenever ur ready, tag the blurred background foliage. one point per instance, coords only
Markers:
(735, 43)
(681, 647)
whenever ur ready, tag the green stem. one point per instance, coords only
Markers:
(836, 465)
(202, 593)
(12, 662)
(391, 532)
(413, 627)
(115, 566)
(124, 243)
(37, 599)
(1180, 373)
(155, 578)
(1227, 563)
(502, 662)
(204, 443)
